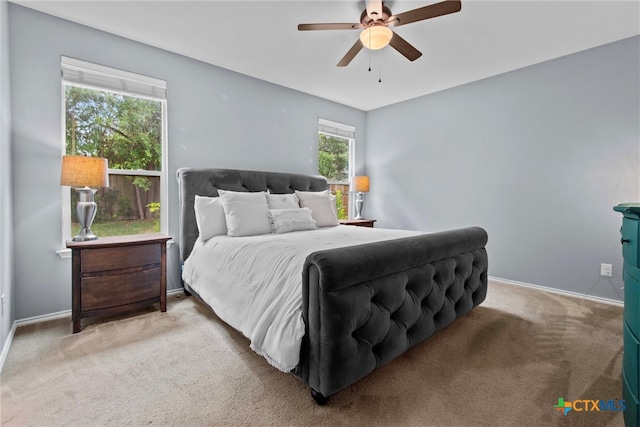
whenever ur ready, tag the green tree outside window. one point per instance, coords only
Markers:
(333, 157)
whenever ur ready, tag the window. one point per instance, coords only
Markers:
(335, 160)
(122, 117)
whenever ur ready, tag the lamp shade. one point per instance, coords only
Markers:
(360, 184)
(376, 37)
(84, 171)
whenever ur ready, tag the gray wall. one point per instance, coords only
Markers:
(6, 237)
(217, 118)
(538, 157)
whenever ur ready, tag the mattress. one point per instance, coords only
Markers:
(255, 283)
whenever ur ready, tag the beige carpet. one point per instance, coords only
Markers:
(504, 364)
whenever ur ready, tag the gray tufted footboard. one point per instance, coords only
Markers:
(365, 305)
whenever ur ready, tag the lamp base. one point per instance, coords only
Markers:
(86, 210)
(84, 234)
(359, 203)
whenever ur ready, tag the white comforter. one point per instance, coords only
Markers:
(254, 283)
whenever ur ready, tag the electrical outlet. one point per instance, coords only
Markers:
(606, 270)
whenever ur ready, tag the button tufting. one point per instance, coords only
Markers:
(434, 295)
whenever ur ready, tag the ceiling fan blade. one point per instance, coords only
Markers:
(374, 9)
(427, 12)
(351, 54)
(403, 46)
(308, 27)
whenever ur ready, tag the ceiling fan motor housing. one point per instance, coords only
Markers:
(366, 21)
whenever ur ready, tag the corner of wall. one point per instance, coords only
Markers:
(6, 205)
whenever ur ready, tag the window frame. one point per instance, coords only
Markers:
(348, 132)
(154, 94)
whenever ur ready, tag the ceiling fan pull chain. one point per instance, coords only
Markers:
(369, 51)
(380, 66)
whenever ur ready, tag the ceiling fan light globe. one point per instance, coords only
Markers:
(376, 37)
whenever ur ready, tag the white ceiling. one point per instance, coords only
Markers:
(260, 39)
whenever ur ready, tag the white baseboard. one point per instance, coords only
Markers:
(558, 291)
(44, 318)
(175, 291)
(7, 344)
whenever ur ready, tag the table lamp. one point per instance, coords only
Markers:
(81, 173)
(360, 184)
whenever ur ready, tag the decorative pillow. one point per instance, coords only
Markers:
(210, 217)
(287, 220)
(283, 201)
(322, 205)
(246, 214)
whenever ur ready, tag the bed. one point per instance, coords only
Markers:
(361, 303)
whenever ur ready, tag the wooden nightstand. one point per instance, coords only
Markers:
(116, 274)
(358, 222)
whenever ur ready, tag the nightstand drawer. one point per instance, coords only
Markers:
(120, 257)
(100, 292)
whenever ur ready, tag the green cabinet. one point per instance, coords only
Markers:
(630, 234)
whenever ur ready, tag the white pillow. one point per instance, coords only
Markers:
(255, 196)
(287, 220)
(210, 217)
(282, 201)
(309, 195)
(246, 214)
(322, 205)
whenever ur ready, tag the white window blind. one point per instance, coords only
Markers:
(106, 78)
(336, 129)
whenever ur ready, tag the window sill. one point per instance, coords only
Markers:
(64, 253)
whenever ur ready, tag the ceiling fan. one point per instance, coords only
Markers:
(375, 22)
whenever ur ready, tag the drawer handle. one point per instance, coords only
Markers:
(623, 240)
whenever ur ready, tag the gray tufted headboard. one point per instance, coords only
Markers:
(206, 182)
